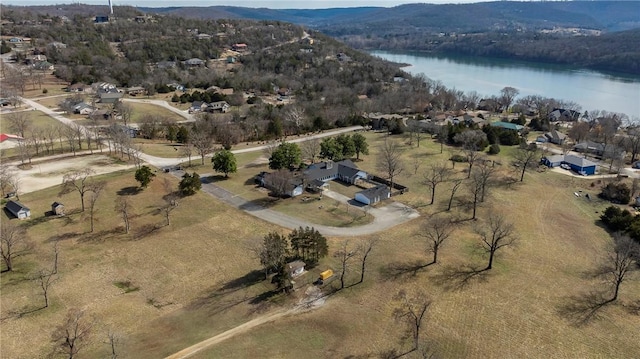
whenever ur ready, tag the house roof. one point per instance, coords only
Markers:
(578, 161)
(295, 265)
(556, 135)
(4, 137)
(330, 169)
(507, 125)
(373, 193)
(15, 206)
(589, 145)
(555, 158)
(56, 204)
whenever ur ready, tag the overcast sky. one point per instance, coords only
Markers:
(273, 4)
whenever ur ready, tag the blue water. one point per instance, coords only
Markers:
(591, 89)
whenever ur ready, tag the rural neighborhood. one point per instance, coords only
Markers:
(260, 190)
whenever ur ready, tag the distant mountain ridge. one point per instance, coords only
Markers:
(601, 15)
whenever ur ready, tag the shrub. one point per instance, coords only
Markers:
(616, 192)
(458, 158)
(45, 91)
(494, 149)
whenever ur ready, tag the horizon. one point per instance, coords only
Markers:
(270, 4)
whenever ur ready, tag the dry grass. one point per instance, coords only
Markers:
(196, 280)
(140, 110)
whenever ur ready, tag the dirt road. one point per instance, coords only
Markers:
(243, 328)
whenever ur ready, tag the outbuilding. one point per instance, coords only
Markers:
(18, 209)
(57, 208)
(295, 268)
(581, 165)
(373, 195)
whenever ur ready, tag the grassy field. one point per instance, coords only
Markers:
(140, 110)
(198, 278)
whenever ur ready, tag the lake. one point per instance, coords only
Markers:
(591, 89)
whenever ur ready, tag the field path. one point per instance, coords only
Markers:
(242, 328)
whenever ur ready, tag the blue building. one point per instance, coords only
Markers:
(578, 164)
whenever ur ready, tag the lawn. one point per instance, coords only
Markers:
(198, 277)
(140, 110)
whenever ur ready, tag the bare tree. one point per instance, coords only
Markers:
(125, 209)
(278, 182)
(443, 136)
(19, 122)
(70, 335)
(412, 310)
(632, 142)
(498, 234)
(390, 161)
(171, 200)
(14, 182)
(436, 230)
(56, 254)
(25, 149)
(484, 174)
(69, 134)
(436, 174)
(296, 116)
(187, 150)
(454, 189)
(79, 181)
(620, 262)
(6, 176)
(203, 142)
(96, 189)
(125, 111)
(13, 243)
(365, 249)
(471, 141)
(507, 95)
(45, 278)
(525, 156)
(344, 255)
(310, 149)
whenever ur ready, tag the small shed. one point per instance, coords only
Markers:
(57, 208)
(295, 268)
(18, 209)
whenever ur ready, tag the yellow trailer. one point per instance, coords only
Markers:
(326, 274)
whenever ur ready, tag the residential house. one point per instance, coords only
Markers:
(44, 66)
(57, 208)
(560, 114)
(556, 137)
(239, 47)
(219, 106)
(79, 87)
(136, 90)
(198, 106)
(166, 64)
(100, 115)
(110, 97)
(345, 171)
(373, 195)
(507, 125)
(18, 209)
(83, 109)
(194, 62)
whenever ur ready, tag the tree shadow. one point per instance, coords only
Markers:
(146, 230)
(214, 294)
(456, 278)
(212, 179)
(98, 237)
(63, 236)
(129, 191)
(249, 279)
(395, 271)
(259, 204)
(584, 308)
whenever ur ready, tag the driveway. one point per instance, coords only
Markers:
(384, 217)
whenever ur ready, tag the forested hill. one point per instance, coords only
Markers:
(505, 15)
